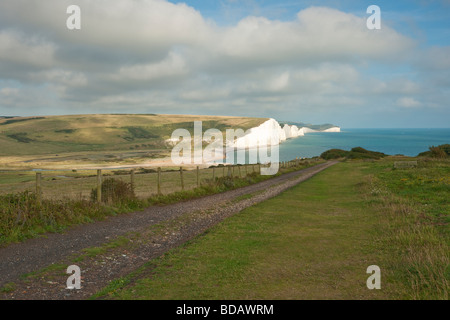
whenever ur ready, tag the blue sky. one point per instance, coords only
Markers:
(426, 19)
(308, 61)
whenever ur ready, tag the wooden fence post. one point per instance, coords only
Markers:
(99, 186)
(239, 170)
(38, 187)
(132, 180)
(182, 181)
(198, 177)
(159, 181)
(229, 171)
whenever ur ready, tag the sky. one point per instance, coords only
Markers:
(304, 61)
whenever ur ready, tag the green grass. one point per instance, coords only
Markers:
(427, 186)
(315, 241)
(415, 208)
(9, 287)
(95, 251)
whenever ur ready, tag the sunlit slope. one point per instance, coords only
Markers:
(75, 133)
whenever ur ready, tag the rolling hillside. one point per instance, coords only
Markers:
(21, 136)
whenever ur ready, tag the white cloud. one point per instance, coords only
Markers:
(153, 54)
(408, 102)
(61, 77)
(318, 34)
(279, 83)
(173, 65)
(436, 58)
(20, 50)
(9, 92)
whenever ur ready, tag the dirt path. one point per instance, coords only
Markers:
(150, 233)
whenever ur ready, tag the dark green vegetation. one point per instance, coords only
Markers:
(65, 131)
(355, 153)
(18, 119)
(20, 137)
(140, 133)
(441, 151)
(316, 240)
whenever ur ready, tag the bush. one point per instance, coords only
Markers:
(114, 190)
(355, 153)
(439, 152)
(361, 153)
(334, 154)
(228, 182)
(436, 152)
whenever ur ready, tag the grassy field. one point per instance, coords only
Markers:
(415, 215)
(315, 241)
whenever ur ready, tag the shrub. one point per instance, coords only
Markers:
(114, 190)
(334, 154)
(436, 152)
(228, 182)
(355, 153)
(440, 152)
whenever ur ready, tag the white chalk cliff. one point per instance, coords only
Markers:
(271, 133)
(334, 129)
(267, 134)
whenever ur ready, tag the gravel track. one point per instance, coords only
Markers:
(182, 222)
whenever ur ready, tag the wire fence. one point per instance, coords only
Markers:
(104, 185)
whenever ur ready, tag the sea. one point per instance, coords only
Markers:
(408, 142)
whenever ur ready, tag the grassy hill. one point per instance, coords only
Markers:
(102, 132)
